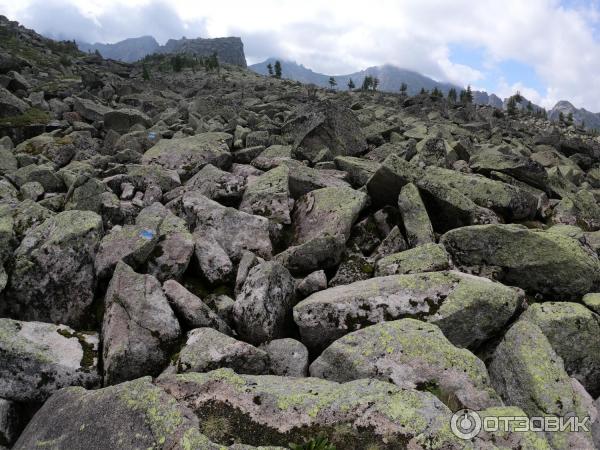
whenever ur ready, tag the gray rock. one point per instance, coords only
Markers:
(89, 110)
(11, 422)
(263, 308)
(131, 244)
(412, 355)
(43, 174)
(469, 310)
(32, 190)
(414, 217)
(319, 253)
(527, 373)
(247, 262)
(304, 179)
(53, 275)
(574, 333)
(192, 311)
(543, 262)
(188, 155)
(139, 328)
(326, 124)
(359, 169)
(255, 138)
(424, 258)
(235, 231)
(356, 415)
(217, 185)
(131, 415)
(288, 357)
(39, 358)
(207, 349)
(11, 105)
(394, 242)
(175, 246)
(121, 120)
(8, 161)
(579, 209)
(313, 282)
(269, 195)
(213, 260)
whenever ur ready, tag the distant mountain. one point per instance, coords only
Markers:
(129, 50)
(590, 119)
(390, 77)
(229, 50)
(482, 98)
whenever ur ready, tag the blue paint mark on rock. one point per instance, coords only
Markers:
(147, 234)
(152, 135)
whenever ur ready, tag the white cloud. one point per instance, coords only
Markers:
(560, 44)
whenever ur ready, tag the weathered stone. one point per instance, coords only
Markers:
(414, 217)
(192, 311)
(359, 170)
(263, 308)
(303, 179)
(11, 422)
(10, 105)
(269, 196)
(39, 358)
(121, 120)
(43, 174)
(217, 185)
(89, 110)
(425, 258)
(313, 282)
(538, 261)
(469, 310)
(235, 231)
(574, 333)
(139, 328)
(288, 357)
(579, 209)
(53, 275)
(188, 155)
(131, 244)
(131, 415)
(357, 415)
(412, 355)
(527, 373)
(207, 349)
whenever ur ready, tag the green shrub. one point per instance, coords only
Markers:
(318, 443)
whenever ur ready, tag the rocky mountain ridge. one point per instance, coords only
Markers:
(206, 258)
(229, 50)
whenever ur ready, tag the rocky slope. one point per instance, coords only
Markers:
(215, 259)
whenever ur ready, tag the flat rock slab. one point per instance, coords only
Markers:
(468, 309)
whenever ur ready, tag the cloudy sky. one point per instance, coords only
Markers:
(547, 49)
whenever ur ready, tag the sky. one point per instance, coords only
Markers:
(549, 50)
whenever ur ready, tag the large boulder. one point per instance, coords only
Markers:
(39, 358)
(90, 110)
(544, 262)
(175, 246)
(579, 209)
(192, 312)
(323, 215)
(269, 196)
(327, 124)
(53, 275)
(207, 349)
(263, 309)
(121, 120)
(414, 217)
(216, 184)
(139, 329)
(424, 258)
(528, 373)
(232, 230)
(129, 416)
(188, 155)
(255, 409)
(11, 105)
(574, 333)
(469, 310)
(287, 357)
(412, 355)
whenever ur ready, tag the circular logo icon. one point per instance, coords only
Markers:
(465, 424)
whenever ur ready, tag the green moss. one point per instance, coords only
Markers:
(29, 117)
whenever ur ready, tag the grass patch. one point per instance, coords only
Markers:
(29, 117)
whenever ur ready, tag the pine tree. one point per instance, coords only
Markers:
(270, 69)
(468, 95)
(570, 118)
(332, 82)
(511, 106)
(437, 93)
(452, 95)
(403, 88)
(145, 72)
(423, 91)
(277, 69)
(351, 84)
(561, 117)
(529, 107)
(367, 83)
(375, 83)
